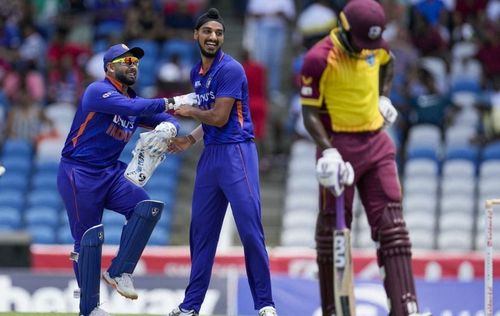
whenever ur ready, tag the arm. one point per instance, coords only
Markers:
(179, 144)
(315, 127)
(217, 116)
(100, 98)
(151, 122)
(386, 107)
(386, 75)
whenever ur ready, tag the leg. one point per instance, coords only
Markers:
(135, 236)
(381, 196)
(89, 268)
(394, 259)
(83, 194)
(241, 186)
(142, 215)
(209, 206)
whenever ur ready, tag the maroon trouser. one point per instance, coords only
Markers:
(372, 155)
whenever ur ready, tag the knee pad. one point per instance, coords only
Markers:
(89, 268)
(394, 259)
(135, 236)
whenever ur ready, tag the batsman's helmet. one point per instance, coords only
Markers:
(364, 20)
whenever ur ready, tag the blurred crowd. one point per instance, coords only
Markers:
(446, 61)
(51, 49)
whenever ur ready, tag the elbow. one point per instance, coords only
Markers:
(220, 122)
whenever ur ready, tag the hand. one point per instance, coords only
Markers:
(143, 163)
(332, 172)
(189, 99)
(179, 144)
(156, 141)
(387, 110)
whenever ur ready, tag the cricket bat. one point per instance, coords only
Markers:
(342, 264)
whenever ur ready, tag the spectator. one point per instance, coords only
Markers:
(268, 23)
(26, 119)
(31, 78)
(143, 21)
(33, 46)
(488, 52)
(428, 104)
(428, 40)
(257, 96)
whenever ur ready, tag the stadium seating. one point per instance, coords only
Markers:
(10, 217)
(41, 215)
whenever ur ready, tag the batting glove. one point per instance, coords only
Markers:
(332, 172)
(387, 110)
(185, 99)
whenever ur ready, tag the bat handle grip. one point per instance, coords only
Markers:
(340, 212)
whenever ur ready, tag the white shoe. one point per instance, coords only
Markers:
(179, 312)
(421, 314)
(98, 312)
(268, 311)
(123, 284)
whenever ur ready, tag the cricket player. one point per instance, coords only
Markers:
(227, 171)
(345, 80)
(91, 177)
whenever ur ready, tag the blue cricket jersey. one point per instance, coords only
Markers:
(105, 121)
(225, 78)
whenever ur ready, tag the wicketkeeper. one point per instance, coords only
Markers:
(92, 178)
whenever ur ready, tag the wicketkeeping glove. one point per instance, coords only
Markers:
(143, 164)
(185, 99)
(387, 110)
(150, 150)
(157, 140)
(332, 172)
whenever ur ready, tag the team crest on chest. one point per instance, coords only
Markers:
(370, 59)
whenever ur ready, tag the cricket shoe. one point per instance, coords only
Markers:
(180, 312)
(98, 312)
(268, 311)
(421, 314)
(123, 284)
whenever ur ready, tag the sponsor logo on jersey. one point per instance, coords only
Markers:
(206, 97)
(197, 84)
(307, 80)
(107, 94)
(209, 81)
(125, 123)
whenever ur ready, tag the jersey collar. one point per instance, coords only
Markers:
(119, 86)
(218, 57)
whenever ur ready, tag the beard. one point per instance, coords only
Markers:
(206, 53)
(122, 77)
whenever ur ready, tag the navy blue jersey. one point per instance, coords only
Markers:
(225, 78)
(106, 119)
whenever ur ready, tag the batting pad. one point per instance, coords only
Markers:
(135, 236)
(89, 268)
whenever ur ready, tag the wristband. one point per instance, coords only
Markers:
(191, 139)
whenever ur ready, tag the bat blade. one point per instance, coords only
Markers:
(343, 273)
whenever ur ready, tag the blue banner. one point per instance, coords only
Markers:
(294, 297)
